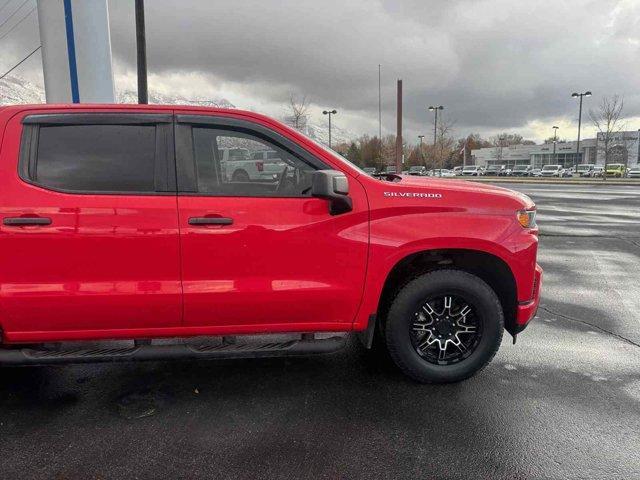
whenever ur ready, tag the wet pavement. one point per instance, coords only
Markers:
(562, 403)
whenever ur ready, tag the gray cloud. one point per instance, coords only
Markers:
(494, 64)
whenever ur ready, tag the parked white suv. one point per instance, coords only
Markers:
(472, 170)
(552, 171)
(585, 169)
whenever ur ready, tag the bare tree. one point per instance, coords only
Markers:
(444, 141)
(298, 108)
(609, 122)
(499, 143)
(503, 140)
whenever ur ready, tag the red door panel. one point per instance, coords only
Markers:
(110, 264)
(283, 261)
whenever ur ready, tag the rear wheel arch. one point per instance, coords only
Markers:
(240, 173)
(487, 266)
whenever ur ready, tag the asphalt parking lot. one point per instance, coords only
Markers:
(563, 403)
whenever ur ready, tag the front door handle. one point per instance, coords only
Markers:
(210, 221)
(22, 221)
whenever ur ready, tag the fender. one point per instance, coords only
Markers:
(493, 235)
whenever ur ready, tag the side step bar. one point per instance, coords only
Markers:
(149, 352)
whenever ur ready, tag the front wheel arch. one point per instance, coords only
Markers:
(490, 268)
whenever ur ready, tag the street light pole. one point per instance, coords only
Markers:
(581, 95)
(420, 147)
(141, 53)
(435, 123)
(555, 140)
(329, 112)
(379, 103)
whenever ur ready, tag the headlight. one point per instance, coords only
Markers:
(527, 218)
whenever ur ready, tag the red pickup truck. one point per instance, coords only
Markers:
(118, 222)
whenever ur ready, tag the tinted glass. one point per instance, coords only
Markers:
(227, 165)
(116, 158)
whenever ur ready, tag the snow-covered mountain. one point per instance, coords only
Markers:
(131, 96)
(15, 90)
(320, 133)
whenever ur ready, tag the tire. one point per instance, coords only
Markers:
(404, 315)
(240, 176)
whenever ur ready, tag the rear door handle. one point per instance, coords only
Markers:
(22, 221)
(210, 221)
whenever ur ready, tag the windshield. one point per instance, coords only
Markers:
(469, 169)
(551, 167)
(584, 167)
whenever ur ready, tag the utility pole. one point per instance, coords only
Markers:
(464, 153)
(581, 95)
(435, 123)
(399, 129)
(379, 103)
(420, 148)
(555, 140)
(141, 47)
(329, 112)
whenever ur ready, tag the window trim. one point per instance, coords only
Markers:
(186, 163)
(164, 158)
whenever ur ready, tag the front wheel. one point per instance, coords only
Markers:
(444, 326)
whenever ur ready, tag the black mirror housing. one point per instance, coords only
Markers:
(332, 185)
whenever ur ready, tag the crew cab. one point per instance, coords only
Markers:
(119, 227)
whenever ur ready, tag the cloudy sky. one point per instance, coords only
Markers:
(495, 65)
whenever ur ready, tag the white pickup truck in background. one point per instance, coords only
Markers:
(242, 165)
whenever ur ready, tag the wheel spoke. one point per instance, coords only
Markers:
(427, 342)
(420, 327)
(458, 343)
(442, 353)
(429, 310)
(467, 328)
(448, 302)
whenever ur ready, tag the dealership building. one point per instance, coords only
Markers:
(624, 148)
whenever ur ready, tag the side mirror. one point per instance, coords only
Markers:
(332, 185)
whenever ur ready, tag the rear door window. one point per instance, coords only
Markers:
(99, 153)
(97, 157)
